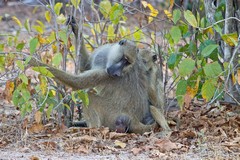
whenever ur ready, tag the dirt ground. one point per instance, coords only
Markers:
(199, 132)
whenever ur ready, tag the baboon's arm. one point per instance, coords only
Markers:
(83, 51)
(159, 118)
(87, 79)
(152, 96)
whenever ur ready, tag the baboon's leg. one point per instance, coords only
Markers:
(94, 113)
(93, 118)
(154, 99)
(137, 127)
(87, 79)
(159, 118)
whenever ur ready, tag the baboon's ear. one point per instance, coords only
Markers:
(154, 58)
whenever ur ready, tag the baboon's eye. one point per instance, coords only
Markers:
(122, 42)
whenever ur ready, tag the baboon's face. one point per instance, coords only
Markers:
(122, 124)
(148, 58)
(121, 58)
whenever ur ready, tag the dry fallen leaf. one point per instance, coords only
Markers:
(115, 135)
(52, 145)
(165, 145)
(136, 151)
(120, 144)
(188, 134)
(36, 128)
(85, 138)
(38, 117)
(34, 158)
(82, 149)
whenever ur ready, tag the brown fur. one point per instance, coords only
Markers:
(126, 94)
(155, 86)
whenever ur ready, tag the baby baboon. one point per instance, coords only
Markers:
(122, 124)
(117, 73)
(155, 85)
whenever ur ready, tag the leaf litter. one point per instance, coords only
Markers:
(198, 133)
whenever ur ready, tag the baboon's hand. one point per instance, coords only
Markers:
(72, 22)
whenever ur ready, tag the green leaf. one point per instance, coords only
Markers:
(173, 60)
(2, 63)
(138, 34)
(84, 97)
(218, 29)
(39, 29)
(27, 25)
(15, 97)
(208, 89)
(75, 3)
(181, 87)
(1, 47)
(212, 70)
(116, 13)
(111, 34)
(20, 46)
(205, 44)
(61, 19)
(27, 60)
(186, 67)
(49, 110)
(48, 16)
(176, 34)
(24, 78)
(63, 36)
(105, 8)
(51, 37)
(10, 41)
(181, 91)
(57, 59)
(25, 94)
(43, 71)
(74, 97)
(176, 15)
(192, 48)
(33, 45)
(209, 49)
(20, 64)
(17, 21)
(203, 22)
(169, 38)
(184, 29)
(191, 19)
(41, 24)
(57, 8)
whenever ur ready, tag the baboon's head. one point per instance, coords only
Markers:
(122, 124)
(121, 58)
(148, 58)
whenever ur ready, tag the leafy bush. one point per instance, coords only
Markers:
(57, 48)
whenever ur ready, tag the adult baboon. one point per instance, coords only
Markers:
(116, 71)
(155, 85)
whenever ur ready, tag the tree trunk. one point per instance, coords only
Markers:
(232, 91)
